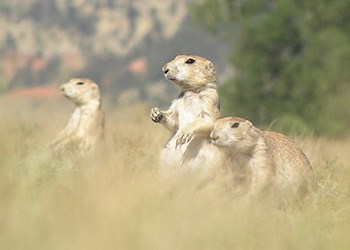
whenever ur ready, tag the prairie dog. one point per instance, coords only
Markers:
(191, 116)
(268, 157)
(85, 127)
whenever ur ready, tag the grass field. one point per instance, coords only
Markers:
(116, 200)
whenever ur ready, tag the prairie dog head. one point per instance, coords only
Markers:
(235, 133)
(80, 91)
(190, 72)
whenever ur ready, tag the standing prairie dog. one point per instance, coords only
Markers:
(191, 116)
(269, 158)
(85, 127)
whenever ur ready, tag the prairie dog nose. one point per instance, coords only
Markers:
(62, 88)
(165, 69)
(213, 137)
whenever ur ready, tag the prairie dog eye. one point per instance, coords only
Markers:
(80, 83)
(235, 125)
(190, 61)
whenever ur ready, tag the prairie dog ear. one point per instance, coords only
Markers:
(249, 124)
(254, 132)
(210, 67)
(94, 86)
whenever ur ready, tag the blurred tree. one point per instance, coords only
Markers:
(290, 58)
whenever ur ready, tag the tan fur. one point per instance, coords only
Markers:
(268, 159)
(191, 116)
(85, 127)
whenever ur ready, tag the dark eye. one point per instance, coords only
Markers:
(80, 83)
(190, 61)
(235, 125)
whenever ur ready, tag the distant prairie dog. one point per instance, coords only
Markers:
(191, 116)
(269, 158)
(85, 127)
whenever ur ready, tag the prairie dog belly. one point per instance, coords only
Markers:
(197, 155)
(193, 155)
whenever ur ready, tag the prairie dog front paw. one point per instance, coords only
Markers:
(156, 115)
(184, 139)
(185, 136)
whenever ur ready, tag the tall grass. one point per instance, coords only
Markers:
(115, 199)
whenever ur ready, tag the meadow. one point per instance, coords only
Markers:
(116, 200)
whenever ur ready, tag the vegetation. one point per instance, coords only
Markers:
(117, 201)
(290, 60)
(115, 198)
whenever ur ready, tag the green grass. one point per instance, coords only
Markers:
(115, 199)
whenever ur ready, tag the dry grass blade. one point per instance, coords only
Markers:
(115, 200)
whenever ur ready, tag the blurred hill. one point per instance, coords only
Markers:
(120, 44)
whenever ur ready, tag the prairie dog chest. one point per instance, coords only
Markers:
(82, 120)
(190, 107)
(74, 121)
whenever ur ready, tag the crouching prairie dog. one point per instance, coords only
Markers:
(191, 115)
(85, 127)
(269, 159)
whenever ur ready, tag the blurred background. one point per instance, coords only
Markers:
(280, 63)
